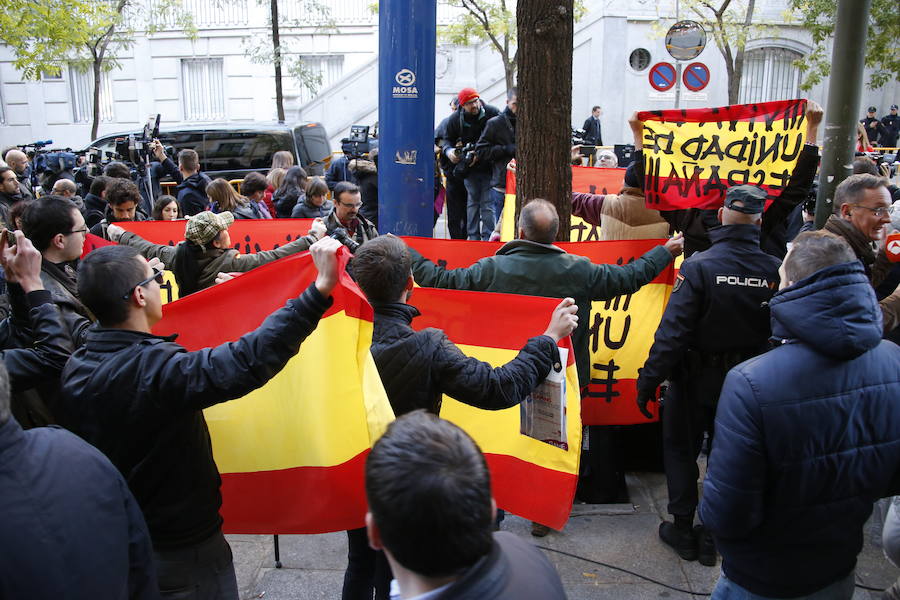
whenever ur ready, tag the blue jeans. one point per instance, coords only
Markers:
(499, 200)
(839, 590)
(480, 207)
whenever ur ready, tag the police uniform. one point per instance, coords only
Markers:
(716, 318)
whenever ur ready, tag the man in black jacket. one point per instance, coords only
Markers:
(498, 146)
(462, 133)
(456, 186)
(95, 201)
(436, 529)
(191, 189)
(69, 527)
(418, 367)
(123, 199)
(140, 399)
(591, 127)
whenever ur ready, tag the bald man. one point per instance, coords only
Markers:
(18, 162)
(67, 189)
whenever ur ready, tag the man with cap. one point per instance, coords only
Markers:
(716, 318)
(873, 126)
(462, 133)
(207, 250)
(890, 128)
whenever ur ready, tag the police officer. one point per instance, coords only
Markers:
(890, 124)
(874, 128)
(716, 318)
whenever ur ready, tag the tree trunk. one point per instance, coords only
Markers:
(543, 142)
(276, 48)
(510, 69)
(95, 110)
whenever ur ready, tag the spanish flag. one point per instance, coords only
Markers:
(292, 453)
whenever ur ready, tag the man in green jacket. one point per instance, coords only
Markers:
(532, 265)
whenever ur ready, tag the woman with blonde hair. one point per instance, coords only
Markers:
(274, 179)
(224, 199)
(283, 159)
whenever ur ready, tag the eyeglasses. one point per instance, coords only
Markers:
(157, 275)
(354, 205)
(83, 230)
(880, 212)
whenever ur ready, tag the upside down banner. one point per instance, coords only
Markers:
(292, 453)
(692, 156)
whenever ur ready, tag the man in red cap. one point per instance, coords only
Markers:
(462, 132)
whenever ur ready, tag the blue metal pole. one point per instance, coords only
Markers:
(407, 38)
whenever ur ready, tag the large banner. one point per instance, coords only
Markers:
(585, 180)
(621, 329)
(693, 155)
(247, 235)
(292, 453)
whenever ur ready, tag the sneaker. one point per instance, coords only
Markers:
(706, 546)
(680, 540)
(538, 530)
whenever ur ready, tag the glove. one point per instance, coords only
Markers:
(643, 397)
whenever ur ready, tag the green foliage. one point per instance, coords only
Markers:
(882, 49)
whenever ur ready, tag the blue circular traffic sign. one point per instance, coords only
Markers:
(696, 76)
(662, 76)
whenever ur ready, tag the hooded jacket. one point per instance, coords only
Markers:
(807, 438)
(192, 194)
(94, 210)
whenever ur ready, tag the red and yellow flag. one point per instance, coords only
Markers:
(621, 329)
(247, 235)
(693, 155)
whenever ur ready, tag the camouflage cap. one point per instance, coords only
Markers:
(203, 227)
(751, 199)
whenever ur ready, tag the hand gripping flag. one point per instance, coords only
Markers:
(291, 453)
(692, 156)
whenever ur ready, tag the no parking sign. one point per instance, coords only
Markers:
(662, 76)
(696, 76)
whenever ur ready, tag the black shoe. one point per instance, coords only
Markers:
(706, 546)
(680, 540)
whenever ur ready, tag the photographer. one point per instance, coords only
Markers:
(456, 187)
(497, 146)
(345, 224)
(191, 189)
(463, 131)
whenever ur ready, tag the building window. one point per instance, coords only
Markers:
(203, 82)
(81, 85)
(639, 59)
(331, 67)
(769, 74)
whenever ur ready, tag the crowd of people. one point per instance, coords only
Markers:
(774, 352)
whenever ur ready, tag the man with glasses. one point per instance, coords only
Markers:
(345, 220)
(56, 228)
(139, 400)
(861, 217)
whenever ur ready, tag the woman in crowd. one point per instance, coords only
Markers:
(254, 189)
(275, 178)
(166, 208)
(224, 199)
(291, 191)
(283, 159)
(207, 250)
(314, 203)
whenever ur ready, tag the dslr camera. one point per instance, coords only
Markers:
(466, 155)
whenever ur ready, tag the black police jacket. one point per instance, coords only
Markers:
(717, 307)
(417, 367)
(139, 399)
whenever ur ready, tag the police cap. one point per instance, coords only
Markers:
(752, 199)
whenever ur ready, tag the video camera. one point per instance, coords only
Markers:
(886, 159)
(359, 143)
(47, 166)
(137, 150)
(466, 158)
(578, 140)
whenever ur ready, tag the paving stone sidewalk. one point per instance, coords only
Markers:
(621, 535)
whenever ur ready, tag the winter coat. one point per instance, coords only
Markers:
(140, 399)
(94, 210)
(418, 367)
(285, 199)
(807, 438)
(70, 527)
(216, 260)
(526, 267)
(306, 210)
(592, 131)
(59, 280)
(497, 146)
(466, 129)
(191, 194)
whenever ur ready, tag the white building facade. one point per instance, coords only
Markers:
(210, 79)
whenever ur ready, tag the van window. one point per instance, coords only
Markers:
(243, 150)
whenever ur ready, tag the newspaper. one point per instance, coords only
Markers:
(543, 412)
